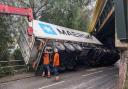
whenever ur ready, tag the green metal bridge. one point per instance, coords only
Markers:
(109, 22)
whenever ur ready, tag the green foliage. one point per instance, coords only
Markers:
(5, 38)
(17, 55)
(6, 71)
(68, 13)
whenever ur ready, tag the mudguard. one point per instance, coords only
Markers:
(77, 47)
(69, 47)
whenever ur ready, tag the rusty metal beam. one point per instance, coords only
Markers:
(97, 12)
(107, 18)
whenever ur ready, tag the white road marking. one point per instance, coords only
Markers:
(92, 69)
(100, 68)
(85, 84)
(47, 86)
(110, 87)
(93, 86)
(51, 85)
(90, 87)
(96, 69)
(92, 73)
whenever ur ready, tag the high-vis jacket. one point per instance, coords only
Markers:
(46, 58)
(56, 61)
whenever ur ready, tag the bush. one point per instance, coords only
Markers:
(17, 55)
(6, 71)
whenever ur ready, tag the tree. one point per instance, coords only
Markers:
(8, 26)
(69, 13)
(18, 55)
(5, 38)
(37, 5)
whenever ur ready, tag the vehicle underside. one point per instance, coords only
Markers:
(74, 54)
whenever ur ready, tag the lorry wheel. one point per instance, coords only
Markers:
(59, 46)
(69, 47)
(77, 47)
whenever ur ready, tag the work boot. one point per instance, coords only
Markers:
(49, 75)
(57, 78)
(43, 75)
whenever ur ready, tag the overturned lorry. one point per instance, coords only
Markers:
(75, 47)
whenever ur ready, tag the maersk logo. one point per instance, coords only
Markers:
(47, 29)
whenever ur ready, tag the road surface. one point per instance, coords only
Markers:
(95, 78)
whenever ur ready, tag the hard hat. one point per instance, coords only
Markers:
(55, 50)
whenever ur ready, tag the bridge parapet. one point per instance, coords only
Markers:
(104, 9)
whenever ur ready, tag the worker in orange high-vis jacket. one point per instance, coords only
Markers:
(56, 64)
(46, 63)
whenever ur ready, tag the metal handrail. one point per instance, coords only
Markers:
(12, 66)
(11, 61)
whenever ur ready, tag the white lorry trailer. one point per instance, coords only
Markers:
(75, 47)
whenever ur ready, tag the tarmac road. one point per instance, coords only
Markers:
(95, 78)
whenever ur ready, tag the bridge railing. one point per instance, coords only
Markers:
(12, 67)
